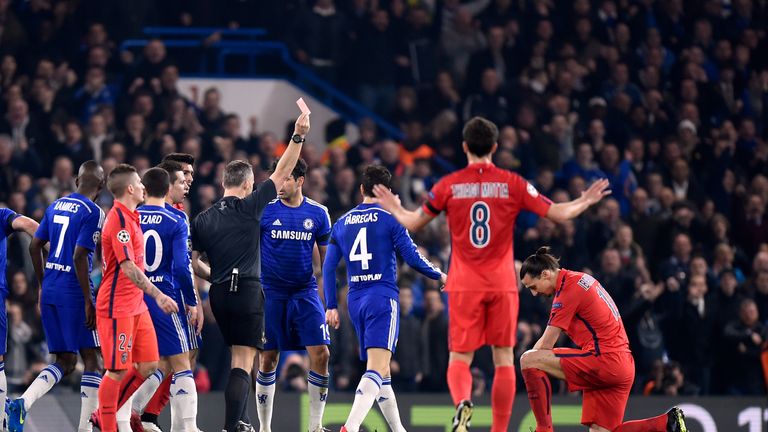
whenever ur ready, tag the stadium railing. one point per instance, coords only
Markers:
(218, 54)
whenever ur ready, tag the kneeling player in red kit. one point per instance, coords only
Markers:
(602, 368)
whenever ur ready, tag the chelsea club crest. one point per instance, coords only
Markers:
(308, 224)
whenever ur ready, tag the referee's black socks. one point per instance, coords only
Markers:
(236, 397)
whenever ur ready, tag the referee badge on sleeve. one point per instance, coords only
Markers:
(123, 236)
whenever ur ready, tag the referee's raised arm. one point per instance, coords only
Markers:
(291, 156)
(229, 233)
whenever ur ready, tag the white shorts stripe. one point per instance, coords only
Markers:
(180, 331)
(392, 324)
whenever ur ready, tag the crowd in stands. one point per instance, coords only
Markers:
(667, 99)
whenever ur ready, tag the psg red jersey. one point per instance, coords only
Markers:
(587, 314)
(482, 203)
(121, 240)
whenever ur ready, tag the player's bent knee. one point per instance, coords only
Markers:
(268, 361)
(146, 369)
(177, 363)
(67, 361)
(320, 354)
(465, 357)
(529, 359)
(242, 357)
(503, 356)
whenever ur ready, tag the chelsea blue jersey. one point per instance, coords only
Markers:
(288, 237)
(166, 261)
(71, 221)
(7, 217)
(181, 214)
(368, 238)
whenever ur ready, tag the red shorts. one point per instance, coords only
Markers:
(605, 380)
(481, 318)
(128, 340)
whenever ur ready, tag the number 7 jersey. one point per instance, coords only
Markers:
(482, 202)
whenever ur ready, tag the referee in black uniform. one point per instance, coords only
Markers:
(229, 234)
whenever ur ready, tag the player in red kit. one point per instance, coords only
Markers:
(482, 202)
(122, 320)
(602, 367)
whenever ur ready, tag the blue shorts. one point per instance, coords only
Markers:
(376, 320)
(65, 329)
(3, 325)
(294, 323)
(172, 330)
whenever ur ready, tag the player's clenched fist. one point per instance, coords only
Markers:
(167, 304)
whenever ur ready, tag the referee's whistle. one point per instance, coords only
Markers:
(233, 281)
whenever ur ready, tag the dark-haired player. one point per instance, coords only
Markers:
(367, 237)
(291, 227)
(72, 225)
(482, 203)
(602, 367)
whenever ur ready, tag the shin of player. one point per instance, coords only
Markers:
(72, 226)
(10, 221)
(587, 314)
(167, 266)
(368, 237)
(125, 328)
(292, 228)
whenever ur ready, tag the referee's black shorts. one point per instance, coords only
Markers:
(239, 314)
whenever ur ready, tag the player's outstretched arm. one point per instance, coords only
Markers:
(548, 340)
(80, 259)
(291, 156)
(330, 263)
(561, 212)
(23, 223)
(167, 304)
(410, 252)
(411, 220)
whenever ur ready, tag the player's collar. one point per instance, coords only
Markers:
(131, 213)
(481, 165)
(560, 278)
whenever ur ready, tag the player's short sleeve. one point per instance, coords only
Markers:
(323, 226)
(42, 229)
(89, 231)
(7, 216)
(437, 199)
(263, 193)
(565, 305)
(530, 198)
(120, 240)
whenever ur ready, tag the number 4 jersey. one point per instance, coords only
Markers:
(71, 221)
(367, 237)
(482, 203)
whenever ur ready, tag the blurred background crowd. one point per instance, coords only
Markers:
(666, 99)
